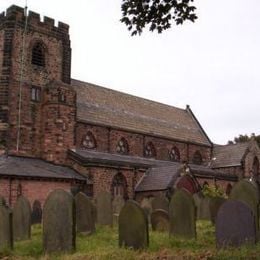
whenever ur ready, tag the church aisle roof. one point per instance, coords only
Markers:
(35, 168)
(103, 106)
(228, 155)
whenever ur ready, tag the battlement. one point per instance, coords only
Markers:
(17, 13)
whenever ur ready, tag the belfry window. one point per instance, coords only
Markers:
(174, 154)
(38, 57)
(149, 150)
(197, 158)
(122, 146)
(89, 141)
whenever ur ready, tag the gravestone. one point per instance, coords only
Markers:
(59, 227)
(36, 212)
(248, 193)
(22, 219)
(235, 225)
(160, 202)
(6, 231)
(203, 210)
(146, 205)
(85, 215)
(133, 226)
(104, 209)
(182, 217)
(117, 204)
(214, 205)
(160, 220)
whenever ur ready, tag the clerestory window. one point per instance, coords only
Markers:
(149, 150)
(122, 146)
(174, 154)
(89, 141)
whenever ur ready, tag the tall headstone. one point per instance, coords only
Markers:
(133, 226)
(182, 215)
(22, 219)
(248, 193)
(160, 202)
(214, 205)
(36, 212)
(85, 215)
(6, 230)
(203, 210)
(235, 225)
(146, 205)
(160, 220)
(104, 209)
(117, 204)
(59, 227)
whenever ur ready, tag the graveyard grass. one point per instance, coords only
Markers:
(104, 245)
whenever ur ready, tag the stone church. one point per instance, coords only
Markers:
(59, 132)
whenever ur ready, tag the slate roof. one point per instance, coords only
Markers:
(102, 106)
(90, 157)
(228, 155)
(162, 178)
(35, 168)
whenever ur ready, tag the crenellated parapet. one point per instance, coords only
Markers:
(16, 13)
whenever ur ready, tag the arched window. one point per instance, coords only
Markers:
(122, 146)
(89, 141)
(119, 186)
(197, 158)
(228, 188)
(174, 154)
(38, 54)
(255, 167)
(149, 150)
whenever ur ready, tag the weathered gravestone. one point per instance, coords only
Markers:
(36, 212)
(160, 220)
(133, 226)
(235, 224)
(214, 205)
(160, 202)
(203, 210)
(146, 205)
(22, 219)
(182, 216)
(117, 204)
(6, 231)
(248, 193)
(59, 227)
(104, 209)
(85, 215)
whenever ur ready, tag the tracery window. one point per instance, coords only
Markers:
(119, 186)
(38, 55)
(174, 154)
(149, 150)
(122, 146)
(89, 141)
(255, 167)
(197, 158)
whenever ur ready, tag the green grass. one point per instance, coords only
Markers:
(104, 245)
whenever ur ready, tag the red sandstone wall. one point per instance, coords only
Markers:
(32, 190)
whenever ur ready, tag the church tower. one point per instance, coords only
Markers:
(37, 103)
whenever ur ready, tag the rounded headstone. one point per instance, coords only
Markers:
(117, 204)
(22, 219)
(235, 224)
(104, 209)
(214, 205)
(85, 215)
(182, 215)
(133, 226)
(146, 205)
(160, 220)
(160, 202)
(203, 210)
(59, 229)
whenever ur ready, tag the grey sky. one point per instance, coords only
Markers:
(212, 64)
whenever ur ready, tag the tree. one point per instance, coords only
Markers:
(155, 14)
(245, 138)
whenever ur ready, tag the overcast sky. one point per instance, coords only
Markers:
(212, 65)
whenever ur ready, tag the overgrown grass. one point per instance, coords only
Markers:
(104, 245)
